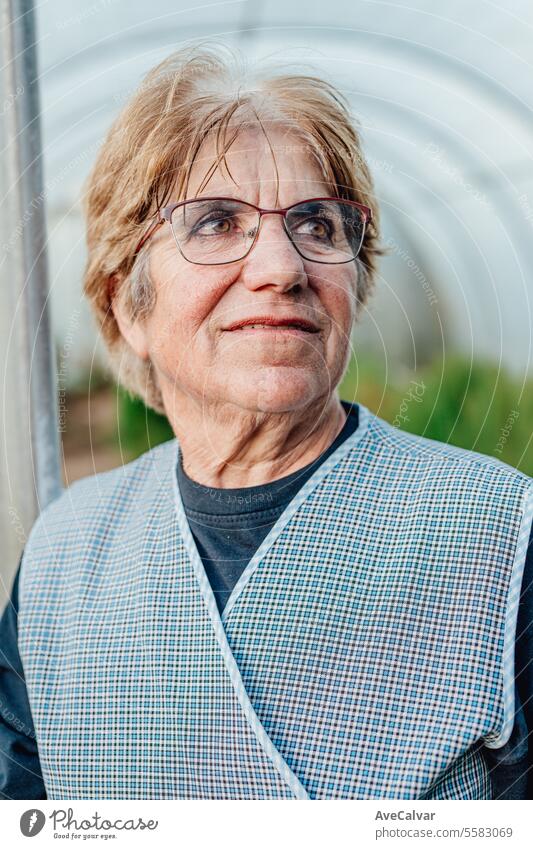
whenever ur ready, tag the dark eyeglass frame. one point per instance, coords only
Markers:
(167, 212)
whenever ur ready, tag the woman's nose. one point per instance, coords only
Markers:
(273, 260)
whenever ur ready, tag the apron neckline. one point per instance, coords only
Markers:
(218, 620)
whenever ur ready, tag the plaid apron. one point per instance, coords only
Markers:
(366, 652)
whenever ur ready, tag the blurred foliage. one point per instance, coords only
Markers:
(472, 405)
(139, 428)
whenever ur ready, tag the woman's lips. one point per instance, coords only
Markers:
(273, 324)
(285, 329)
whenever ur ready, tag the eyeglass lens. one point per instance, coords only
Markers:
(217, 231)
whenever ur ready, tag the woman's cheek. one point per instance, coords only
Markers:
(340, 308)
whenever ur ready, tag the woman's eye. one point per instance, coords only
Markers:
(217, 226)
(315, 227)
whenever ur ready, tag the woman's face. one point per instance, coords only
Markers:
(188, 336)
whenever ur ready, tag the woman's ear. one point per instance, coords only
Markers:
(133, 331)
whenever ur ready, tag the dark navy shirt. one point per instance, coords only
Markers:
(228, 526)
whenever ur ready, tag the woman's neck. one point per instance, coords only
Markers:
(227, 447)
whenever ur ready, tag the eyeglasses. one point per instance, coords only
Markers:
(220, 230)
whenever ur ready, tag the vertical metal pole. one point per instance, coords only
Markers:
(29, 463)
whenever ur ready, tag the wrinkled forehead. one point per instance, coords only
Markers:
(273, 161)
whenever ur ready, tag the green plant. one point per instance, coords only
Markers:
(139, 428)
(472, 405)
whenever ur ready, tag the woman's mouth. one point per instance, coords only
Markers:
(285, 329)
(273, 324)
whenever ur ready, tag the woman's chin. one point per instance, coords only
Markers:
(278, 389)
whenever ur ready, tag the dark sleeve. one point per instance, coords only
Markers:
(511, 766)
(20, 770)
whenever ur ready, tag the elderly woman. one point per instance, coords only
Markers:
(292, 599)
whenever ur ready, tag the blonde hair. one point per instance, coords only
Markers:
(147, 156)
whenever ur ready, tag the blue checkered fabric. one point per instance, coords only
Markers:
(366, 651)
